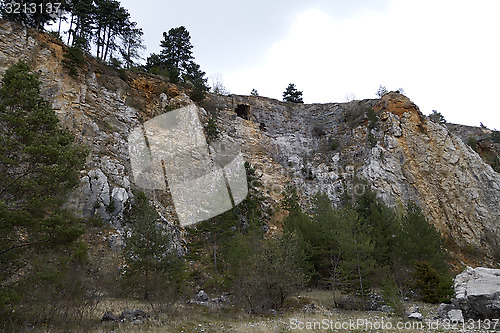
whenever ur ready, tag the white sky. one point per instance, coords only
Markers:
(445, 54)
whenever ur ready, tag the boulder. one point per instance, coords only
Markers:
(415, 316)
(202, 296)
(413, 309)
(455, 316)
(386, 309)
(133, 315)
(477, 291)
(443, 309)
(450, 312)
(109, 316)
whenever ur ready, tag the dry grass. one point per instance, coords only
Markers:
(299, 316)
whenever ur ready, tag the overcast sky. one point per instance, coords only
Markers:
(444, 54)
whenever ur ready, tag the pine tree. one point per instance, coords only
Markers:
(132, 44)
(437, 117)
(176, 61)
(110, 20)
(152, 266)
(357, 253)
(81, 23)
(382, 223)
(39, 165)
(327, 254)
(195, 78)
(291, 94)
(420, 241)
(176, 54)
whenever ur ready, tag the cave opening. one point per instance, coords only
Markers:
(243, 111)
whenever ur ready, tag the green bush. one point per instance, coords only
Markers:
(367, 244)
(211, 129)
(432, 287)
(472, 141)
(73, 59)
(334, 144)
(372, 118)
(40, 166)
(372, 140)
(495, 136)
(496, 164)
(437, 117)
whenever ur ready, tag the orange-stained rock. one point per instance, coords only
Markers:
(398, 104)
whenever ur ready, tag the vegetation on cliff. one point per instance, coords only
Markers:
(39, 165)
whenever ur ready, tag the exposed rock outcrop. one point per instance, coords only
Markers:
(316, 147)
(477, 291)
(403, 155)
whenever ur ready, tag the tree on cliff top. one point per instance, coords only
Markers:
(291, 94)
(177, 49)
(437, 117)
(176, 61)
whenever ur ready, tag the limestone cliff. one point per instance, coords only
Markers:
(317, 147)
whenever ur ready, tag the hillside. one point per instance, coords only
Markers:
(317, 147)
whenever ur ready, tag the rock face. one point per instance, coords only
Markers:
(403, 156)
(316, 147)
(477, 291)
(100, 109)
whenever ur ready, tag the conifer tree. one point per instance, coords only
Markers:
(39, 165)
(291, 94)
(177, 49)
(81, 23)
(152, 264)
(420, 241)
(132, 44)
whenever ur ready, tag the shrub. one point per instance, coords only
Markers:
(334, 144)
(372, 118)
(354, 114)
(372, 140)
(495, 136)
(496, 164)
(382, 91)
(432, 287)
(307, 173)
(437, 117)
(392, 295)
(73, 59)
(277, 270)
(211, 129)
(319, 130)
(472, 141)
